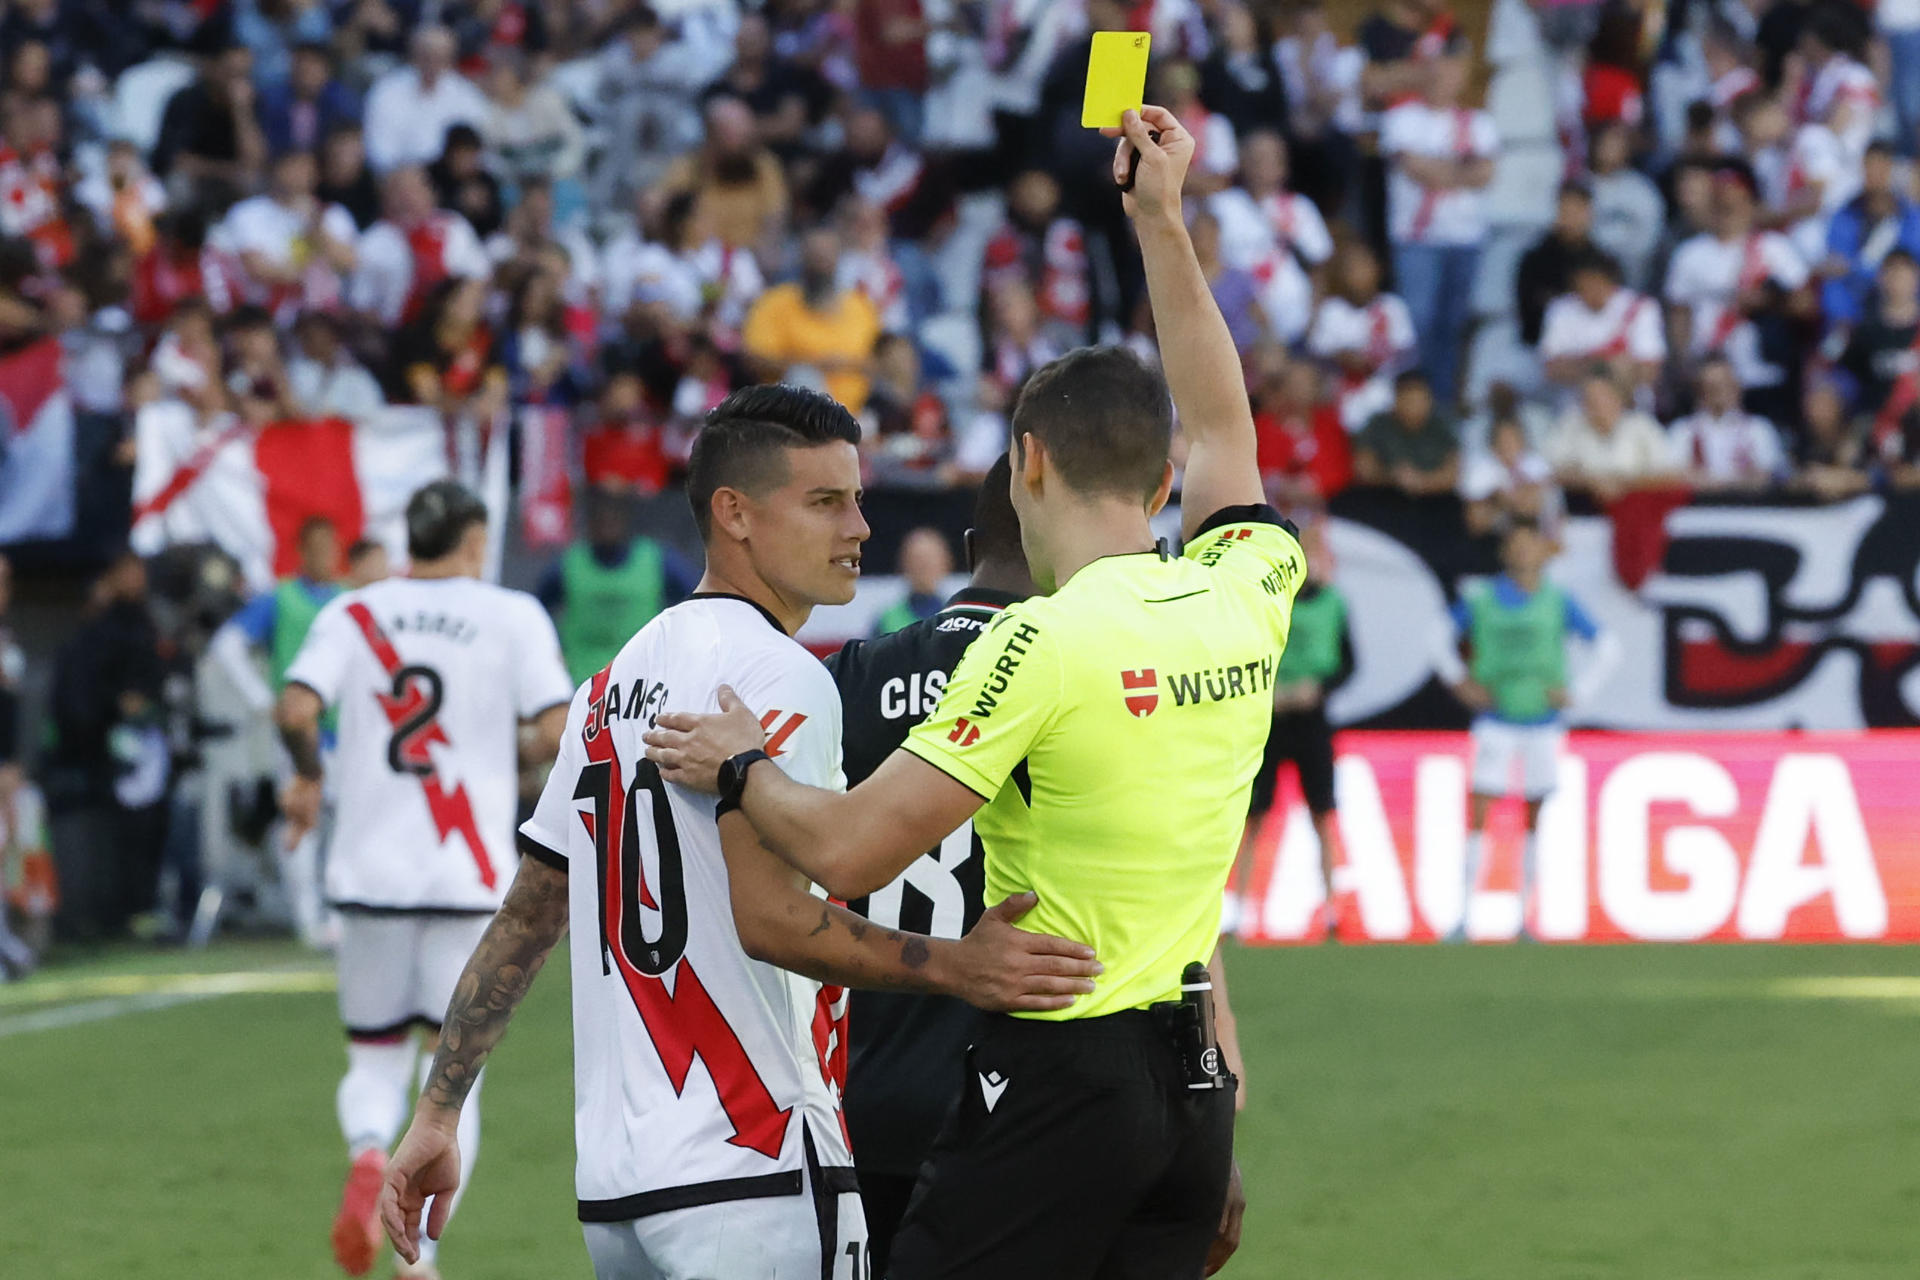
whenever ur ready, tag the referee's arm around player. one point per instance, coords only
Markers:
(1106, 734)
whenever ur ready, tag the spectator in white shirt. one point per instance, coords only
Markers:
(409, 251)
(293, 250)
(1629, 215)
(1602, 322)
(1275, 234)
(1836, 88)
(410, 109)
(1216, 149)
(1721, 445)
(1508, 478)
(530, 129)
(684, 267)
(1603, 448)
(1804, 173)
(1441, 159)
(323, 377)
(1721, 279)
(1366, 335)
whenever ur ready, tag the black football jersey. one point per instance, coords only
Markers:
(906, 1051)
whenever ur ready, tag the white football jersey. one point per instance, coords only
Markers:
(431, 678)
(700, 1074)
(1430, 215)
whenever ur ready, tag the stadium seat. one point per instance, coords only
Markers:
(140, 98)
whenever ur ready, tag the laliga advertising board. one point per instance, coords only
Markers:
(1667, 838)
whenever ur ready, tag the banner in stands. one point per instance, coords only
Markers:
(1743, 616)
(36, 446)
(1754, 618)
(249, 491)
(1668, 838)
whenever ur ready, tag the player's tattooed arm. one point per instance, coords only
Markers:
(997, 966)
(497, 977)
(298, 719)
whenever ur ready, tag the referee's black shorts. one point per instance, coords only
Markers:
(1306, 738)
(1076, 1152)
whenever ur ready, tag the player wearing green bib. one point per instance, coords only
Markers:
(1103, 736)
(1516, 627)
(607, 586)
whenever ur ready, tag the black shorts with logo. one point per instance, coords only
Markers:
(1306, 738)
(1076, 1152)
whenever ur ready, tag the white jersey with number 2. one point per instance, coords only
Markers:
(431, 678)
(700, 1074)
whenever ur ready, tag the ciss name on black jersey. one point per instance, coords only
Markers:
(907, 1051)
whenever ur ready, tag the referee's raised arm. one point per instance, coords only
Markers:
(1197, 354)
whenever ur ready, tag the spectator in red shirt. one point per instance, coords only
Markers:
(628, 450)
(890, 48)
(1303, 451)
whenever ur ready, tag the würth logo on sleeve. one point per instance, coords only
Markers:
(965, 732)
(1143, 690)
(779, 726)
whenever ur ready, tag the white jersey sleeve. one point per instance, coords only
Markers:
(546, 833)
(540, 678)
(325, 653)
(799, 708)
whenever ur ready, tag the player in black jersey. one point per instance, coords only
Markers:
(907, 1052)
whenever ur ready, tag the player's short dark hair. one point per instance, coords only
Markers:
(438, 516)
(996, 526)
(1105, 417)
(362, 548)
(743, 443)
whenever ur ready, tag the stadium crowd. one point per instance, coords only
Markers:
(253, 212)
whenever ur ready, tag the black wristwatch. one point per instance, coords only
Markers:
(733, 778)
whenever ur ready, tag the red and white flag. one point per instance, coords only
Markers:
(36, 446)
(250, 491)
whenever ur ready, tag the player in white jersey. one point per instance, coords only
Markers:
(706, 1108)
(432, 676)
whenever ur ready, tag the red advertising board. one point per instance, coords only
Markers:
(1669, 837)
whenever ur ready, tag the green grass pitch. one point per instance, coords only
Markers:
(1546, 1113)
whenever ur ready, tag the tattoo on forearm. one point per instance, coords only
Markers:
(826, 923)
(913, 950)
(496, 980)
(303, 744)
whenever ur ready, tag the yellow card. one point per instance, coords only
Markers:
(1116, 77)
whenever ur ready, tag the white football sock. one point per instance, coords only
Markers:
(1529, 866)
(374, 1094)
(1476, 848)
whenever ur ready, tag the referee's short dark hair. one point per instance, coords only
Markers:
(438, 517)
(996, 526)
(743, 443)
(1105, 417)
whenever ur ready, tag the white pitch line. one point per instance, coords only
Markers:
(141, 993)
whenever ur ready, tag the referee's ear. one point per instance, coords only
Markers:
(1165, 491)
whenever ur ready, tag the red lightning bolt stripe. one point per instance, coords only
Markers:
(684, 1023)
(777, 738)
(451, 811)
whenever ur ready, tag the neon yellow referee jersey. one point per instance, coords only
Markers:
(1115, 728)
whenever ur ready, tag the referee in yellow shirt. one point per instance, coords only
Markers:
(1103, 737)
